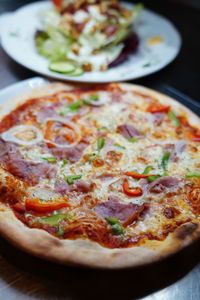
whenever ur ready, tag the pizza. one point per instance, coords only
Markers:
(102, 176)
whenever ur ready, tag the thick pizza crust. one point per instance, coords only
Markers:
(82, 251)
(57, 86)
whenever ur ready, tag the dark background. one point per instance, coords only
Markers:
(23, 277)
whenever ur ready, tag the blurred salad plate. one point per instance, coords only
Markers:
(90, 41)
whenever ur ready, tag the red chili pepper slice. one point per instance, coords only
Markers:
(35, 204)
(196, 138)
(47, 134)
(193, 137)
(57, 3)
(157, 108)
(137, 175)
(132, 192)
(19, 207)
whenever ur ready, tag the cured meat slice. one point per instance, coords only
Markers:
(128, 131)
(126, 213)
(28, 171)
(73, 154)
(175, 150)
(160, 184)
(79, 186)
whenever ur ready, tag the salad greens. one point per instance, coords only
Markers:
(84, 40)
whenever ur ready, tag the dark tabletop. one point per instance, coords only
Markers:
(177, 278)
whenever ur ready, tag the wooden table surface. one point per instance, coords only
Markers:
(177, 278)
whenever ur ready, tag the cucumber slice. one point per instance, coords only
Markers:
(64, 67)
(77, 72)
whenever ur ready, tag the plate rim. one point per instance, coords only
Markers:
(21, 86)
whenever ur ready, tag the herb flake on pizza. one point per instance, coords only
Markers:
(104, 176)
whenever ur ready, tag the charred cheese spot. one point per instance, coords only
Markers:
(186, 230)
(170, 212)
(113, 156)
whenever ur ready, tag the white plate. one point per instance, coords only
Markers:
(18, 42)
(20, 87)
(3, 19)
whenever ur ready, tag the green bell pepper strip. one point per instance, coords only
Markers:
(133, 140)
(147, 170)
(152, 178)
(165, 160)
(117, 229)
(73, 108)
(100, 143)
(70, 178)
(174, 118)
(192, 175)
(112, 221)
(51, 160)
(64, 162)
(54, 219)
(60, 232)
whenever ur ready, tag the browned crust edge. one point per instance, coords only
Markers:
(85, 252)
(82, 252)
